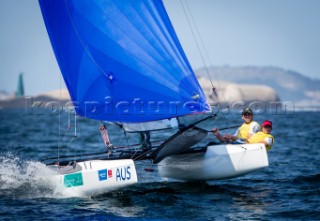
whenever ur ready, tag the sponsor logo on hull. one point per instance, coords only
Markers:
(104, 174)
(71, 180)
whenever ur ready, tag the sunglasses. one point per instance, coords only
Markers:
(268, 127)
(247, 114)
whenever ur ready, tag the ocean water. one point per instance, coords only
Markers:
(288, 189)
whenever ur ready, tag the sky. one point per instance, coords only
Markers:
(279, 33)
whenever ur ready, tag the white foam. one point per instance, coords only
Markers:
(30, 179)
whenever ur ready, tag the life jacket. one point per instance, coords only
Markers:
(260, 136)
(244, 130)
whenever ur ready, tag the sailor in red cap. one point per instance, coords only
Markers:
(263, 136)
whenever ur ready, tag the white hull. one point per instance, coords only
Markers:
(218, 162)
(96, 176)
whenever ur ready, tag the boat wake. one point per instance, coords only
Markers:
(29, 179)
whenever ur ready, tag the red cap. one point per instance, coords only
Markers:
(267, 123)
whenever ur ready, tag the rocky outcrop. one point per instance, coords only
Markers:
(290, 86)
(230, 93)
(62, 94)
(43, 100)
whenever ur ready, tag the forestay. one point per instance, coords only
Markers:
(121, 60)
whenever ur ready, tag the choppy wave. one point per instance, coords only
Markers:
(310, 179)
(29, 179)
(287, 189)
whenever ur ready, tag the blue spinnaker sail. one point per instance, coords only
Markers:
(121, 60)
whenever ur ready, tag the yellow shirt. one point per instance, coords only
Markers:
(260, 136)
(244, 130)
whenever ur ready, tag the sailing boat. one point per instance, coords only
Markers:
(122, 62)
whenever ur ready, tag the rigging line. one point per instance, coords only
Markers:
(199, 36)
(77, 129)
(125, 135)
(242, 156)
(74, 137)
(125, 138)
(68, 127)
(199, 50)
(148, 152)
(136, 151)
(223, 128)
(195, 38)
(59, 118)
(205, 51)
(75, 125)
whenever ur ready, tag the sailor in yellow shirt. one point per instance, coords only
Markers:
(263, 136)
(244, 132)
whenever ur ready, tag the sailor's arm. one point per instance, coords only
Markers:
(215, 131)
(230, 137)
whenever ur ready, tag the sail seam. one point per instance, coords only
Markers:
(81, 41)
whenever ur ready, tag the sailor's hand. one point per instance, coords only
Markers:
(228, 137)
(215, 131)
